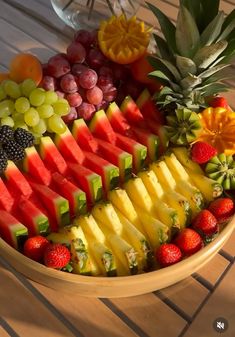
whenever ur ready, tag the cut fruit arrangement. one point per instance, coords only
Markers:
(100, 179)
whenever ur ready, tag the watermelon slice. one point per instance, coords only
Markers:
(12, 231)
(83, 136)
(148, 108)
(68, 147)
(150, 140)
(51, 156)
(117, 119)
(34, 166)
(159, 130)
(88, 181)
(16, 180)
(137, 150)
(57, 206)
(36, 222)
(6, 199)
(101, 127)
(108, 172)
(132, 112)
(116, 156)
(75, 196)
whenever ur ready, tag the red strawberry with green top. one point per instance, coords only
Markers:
(219, 102)
(34, 247)
(168, 254)
(189, 241)
(205, 223)
(56, 256)
(202, 152)
(222, 209)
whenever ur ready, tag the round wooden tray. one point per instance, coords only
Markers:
(115, 286)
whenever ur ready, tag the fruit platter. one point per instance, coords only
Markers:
(117, 159)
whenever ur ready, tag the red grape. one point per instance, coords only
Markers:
(103, 105)
(76, 52)
(94, 37)
(60, 93)
(88, 79)
(104, 83)
(71, 116)
(86, 111)
(58, 66)
(95, 58)
(84, 37)
(94, 95)
(44, 69)
(133, 89)
(106, 72)
(120, 72)
(48, 83)
(74, 99)
(68, 84)
(78, 68)
(110, 94)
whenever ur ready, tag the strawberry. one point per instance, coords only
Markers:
(56, 256)
(189, 241)
(219, 102)
(34, 247)
(205, 223)
(201, 152)
(168, 254)
(222, 209)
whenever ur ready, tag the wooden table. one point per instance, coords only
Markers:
(28, 309)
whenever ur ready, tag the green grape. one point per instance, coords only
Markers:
(12, 89)
(7, 121)
(18, 117)
(7, 107)
(27, 86)
(21, 125)
(45, 111)
(2, 93)
(31, 117)
(22, 105)
(56, 124)
(41, 127)
(37, 97)
(61, 107)
(50, 97)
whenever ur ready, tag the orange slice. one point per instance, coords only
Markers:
(123, 41)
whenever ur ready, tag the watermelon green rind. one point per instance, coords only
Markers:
(139, 156)
(20, 236)
(11, 230)
(153, 147)
(96, 189)
(125, 166)
(43, 224)
(111, 176)
(80, 206)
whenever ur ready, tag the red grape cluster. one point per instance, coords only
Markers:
(86, 78)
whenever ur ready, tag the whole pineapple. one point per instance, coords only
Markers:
(193, 54)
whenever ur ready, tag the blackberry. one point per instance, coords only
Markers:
(6, 133)
(3, 161)
(13, 150)
(23, 137)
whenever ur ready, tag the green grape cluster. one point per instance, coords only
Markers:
(34, 109)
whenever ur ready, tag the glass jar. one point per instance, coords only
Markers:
(87, 14)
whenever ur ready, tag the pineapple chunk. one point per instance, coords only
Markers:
(123, 251)
(139, 195)
(158, 232)
(138, 241)
(209, 188)
(121, 201)
(96, 239)
(104, 257)
(166, 214)
(182, 155)
(59, 238)
(164, 175)
(82, 259)
(176, 168)
(105, 214)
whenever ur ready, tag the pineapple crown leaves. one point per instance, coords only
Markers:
(193, 54)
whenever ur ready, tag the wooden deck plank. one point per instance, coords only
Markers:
(187, 295)
(3, 332)
(24, 312)
(212, 271)
(151, 315)
(88, 315)
(220, 304)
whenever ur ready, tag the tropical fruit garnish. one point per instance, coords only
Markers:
(123, 41)
(218, 129)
